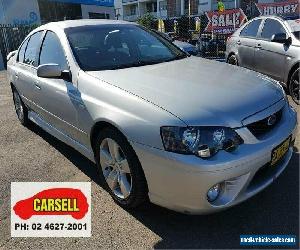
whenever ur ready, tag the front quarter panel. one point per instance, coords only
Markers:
(292, 59)
(138, 119)
(231, 47)
(11, 64)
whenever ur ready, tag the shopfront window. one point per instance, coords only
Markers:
(58, 11)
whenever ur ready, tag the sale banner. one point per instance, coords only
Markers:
(282, 8)
(225, 22)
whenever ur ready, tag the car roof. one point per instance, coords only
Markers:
(83, 22)
(268, 16)
(282, 18)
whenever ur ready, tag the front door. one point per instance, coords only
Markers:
(52, 94)
(270, 57)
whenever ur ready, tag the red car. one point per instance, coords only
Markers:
(54, 201)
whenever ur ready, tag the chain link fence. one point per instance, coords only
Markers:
(184, 29)
(11, 37)
(210, 45)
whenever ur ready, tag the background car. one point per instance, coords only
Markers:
(211, 47)
(269, 45)
(184, 46)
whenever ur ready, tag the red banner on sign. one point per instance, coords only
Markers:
(225, 22)
(282, 8)
(54, 201)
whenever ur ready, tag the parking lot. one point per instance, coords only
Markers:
(33, 155)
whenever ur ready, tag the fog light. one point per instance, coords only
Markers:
(213, 193)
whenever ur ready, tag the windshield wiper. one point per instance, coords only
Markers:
(178, 57)
(144, 63)
(123, 66)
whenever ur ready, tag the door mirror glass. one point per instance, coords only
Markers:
(279, 38)
(50, 70)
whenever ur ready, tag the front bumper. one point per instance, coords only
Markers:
(180, 182)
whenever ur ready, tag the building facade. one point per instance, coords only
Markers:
(130, 10)
(36, 12)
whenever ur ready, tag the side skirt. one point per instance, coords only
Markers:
(34, 117)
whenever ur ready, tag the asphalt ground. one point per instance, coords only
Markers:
(32, 155)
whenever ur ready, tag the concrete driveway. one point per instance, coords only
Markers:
(33, 155)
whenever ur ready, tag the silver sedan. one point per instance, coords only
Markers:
(190, 134)
(269, 45)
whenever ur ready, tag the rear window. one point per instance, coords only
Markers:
(251, 29)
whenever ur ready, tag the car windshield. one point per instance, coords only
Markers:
(109, 47)
(295, 27)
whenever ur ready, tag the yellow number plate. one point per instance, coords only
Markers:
(279, 152)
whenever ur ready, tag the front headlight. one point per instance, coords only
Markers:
(201, 141)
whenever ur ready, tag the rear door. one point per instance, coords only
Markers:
(18, 70)
(25, 71)
(246, 43)
(270, 57)
(58, 98)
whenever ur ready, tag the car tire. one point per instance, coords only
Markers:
(119, 169)
(233, 60)
(294, 86)
(20, 108)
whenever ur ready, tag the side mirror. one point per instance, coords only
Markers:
(50, 70)
(53, 70)
(281, 38)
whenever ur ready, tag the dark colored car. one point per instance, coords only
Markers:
(211, 47)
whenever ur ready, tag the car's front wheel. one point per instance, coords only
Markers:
(21, 109)
(233, 60)
(120, 169)
(294, 86)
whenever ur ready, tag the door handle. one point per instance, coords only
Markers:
(258, 46)
(37, 86)
(238, 42)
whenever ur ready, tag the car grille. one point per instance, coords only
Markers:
(263, 126)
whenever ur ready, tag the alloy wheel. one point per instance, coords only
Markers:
(233, 60)
(18, 105)
(294, 86)
(115, 168)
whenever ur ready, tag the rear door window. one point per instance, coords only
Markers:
(22, 51)
(33, 48)
(251, 29)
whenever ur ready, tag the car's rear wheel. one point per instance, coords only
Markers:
(294, 85)
(120, 170)
(21, 109)
(233, 60)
